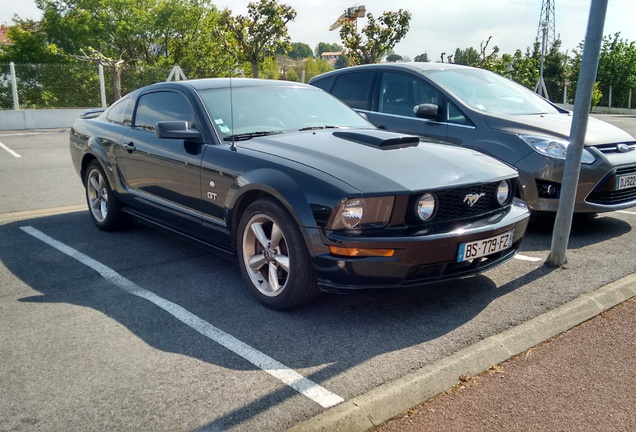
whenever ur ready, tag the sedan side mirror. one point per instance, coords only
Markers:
(426, 111)
(177, 130)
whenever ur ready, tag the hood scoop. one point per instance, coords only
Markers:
(383, 140)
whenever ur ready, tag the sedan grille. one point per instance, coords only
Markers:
(454, 204)
(617, 147)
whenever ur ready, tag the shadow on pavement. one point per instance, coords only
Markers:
(338, 332)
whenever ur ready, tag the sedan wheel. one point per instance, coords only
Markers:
(102, 203)
(274, 258)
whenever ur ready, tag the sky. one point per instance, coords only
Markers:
(436, 26)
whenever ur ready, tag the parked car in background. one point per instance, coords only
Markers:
(481, 110)
(304, 192)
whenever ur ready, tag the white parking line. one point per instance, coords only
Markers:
(11, 152)
(527, 258)
(288, 376)
(626, 212)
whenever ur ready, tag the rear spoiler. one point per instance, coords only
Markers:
(92, 113)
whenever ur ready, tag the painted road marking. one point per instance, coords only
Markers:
(287, 375)
(626, 212)
(527, 258)
(11, 152)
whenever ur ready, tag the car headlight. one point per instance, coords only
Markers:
(503, 192)
(426, 206)
(555, 148)
(358, 213)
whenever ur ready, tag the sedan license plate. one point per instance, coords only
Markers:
(625, 181)
(485, 247)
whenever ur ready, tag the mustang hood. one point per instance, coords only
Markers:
(359, 159)
(558, 125)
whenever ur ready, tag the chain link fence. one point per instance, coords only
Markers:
(73, 85)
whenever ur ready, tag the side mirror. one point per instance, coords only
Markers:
(177, 130)
(426, 111)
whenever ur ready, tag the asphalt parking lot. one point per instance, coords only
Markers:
(136, 330)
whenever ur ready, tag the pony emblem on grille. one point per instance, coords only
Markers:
(471, 199)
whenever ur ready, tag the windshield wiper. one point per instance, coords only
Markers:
(247, 136)
(318, 127)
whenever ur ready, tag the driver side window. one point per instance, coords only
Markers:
(162, 106)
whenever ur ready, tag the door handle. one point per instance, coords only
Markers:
(129, 147)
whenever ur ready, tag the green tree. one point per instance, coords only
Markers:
(341, 62)
(28, 45)
(422, 57)
(377, 37)
(149, 32)
(260, 34)
(519, 67)
(299, 51)
(393, 57)
(327, 47)
(313, 67)
(616, 70)
(555, 71)
(617, 63)
(469, 56)
(269, 68)
(292, 75)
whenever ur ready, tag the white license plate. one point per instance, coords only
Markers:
(625, 181)
(485, 247)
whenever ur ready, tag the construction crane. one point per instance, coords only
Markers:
(350, 14)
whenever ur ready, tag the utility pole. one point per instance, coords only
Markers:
(582, 101)
(547, 30)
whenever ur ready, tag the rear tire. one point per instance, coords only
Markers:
(103, 205)
(273, 257)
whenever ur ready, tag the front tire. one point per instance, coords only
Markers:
(103, 205)
(273, 257)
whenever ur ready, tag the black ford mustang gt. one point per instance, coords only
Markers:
(303, 191)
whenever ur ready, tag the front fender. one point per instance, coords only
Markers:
(280, 185)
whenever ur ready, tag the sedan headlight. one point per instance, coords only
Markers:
(555, 148)
(358, 213)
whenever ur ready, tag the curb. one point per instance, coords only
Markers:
(382, 403)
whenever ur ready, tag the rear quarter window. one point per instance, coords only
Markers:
(323, 83)
(121, 112)
(354, 89)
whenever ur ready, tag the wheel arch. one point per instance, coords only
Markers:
(281, 187)
(95, 151)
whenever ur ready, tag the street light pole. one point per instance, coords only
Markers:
(582, 103)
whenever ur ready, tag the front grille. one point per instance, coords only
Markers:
(614, 148)
(453, 203)
(606, 194)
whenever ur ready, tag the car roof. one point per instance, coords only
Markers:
(414, 66)
(212, 83)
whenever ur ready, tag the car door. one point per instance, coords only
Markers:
(162, 175)
(396, 96)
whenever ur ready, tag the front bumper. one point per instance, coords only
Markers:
(422, 258)
(596, 191)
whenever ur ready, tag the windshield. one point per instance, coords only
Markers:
(490, 93)
(261, 109)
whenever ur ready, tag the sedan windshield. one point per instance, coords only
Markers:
(244, 111)
(488, 92)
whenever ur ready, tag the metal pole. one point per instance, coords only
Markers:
(102, 86)
(582, 103)
(14, 86)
